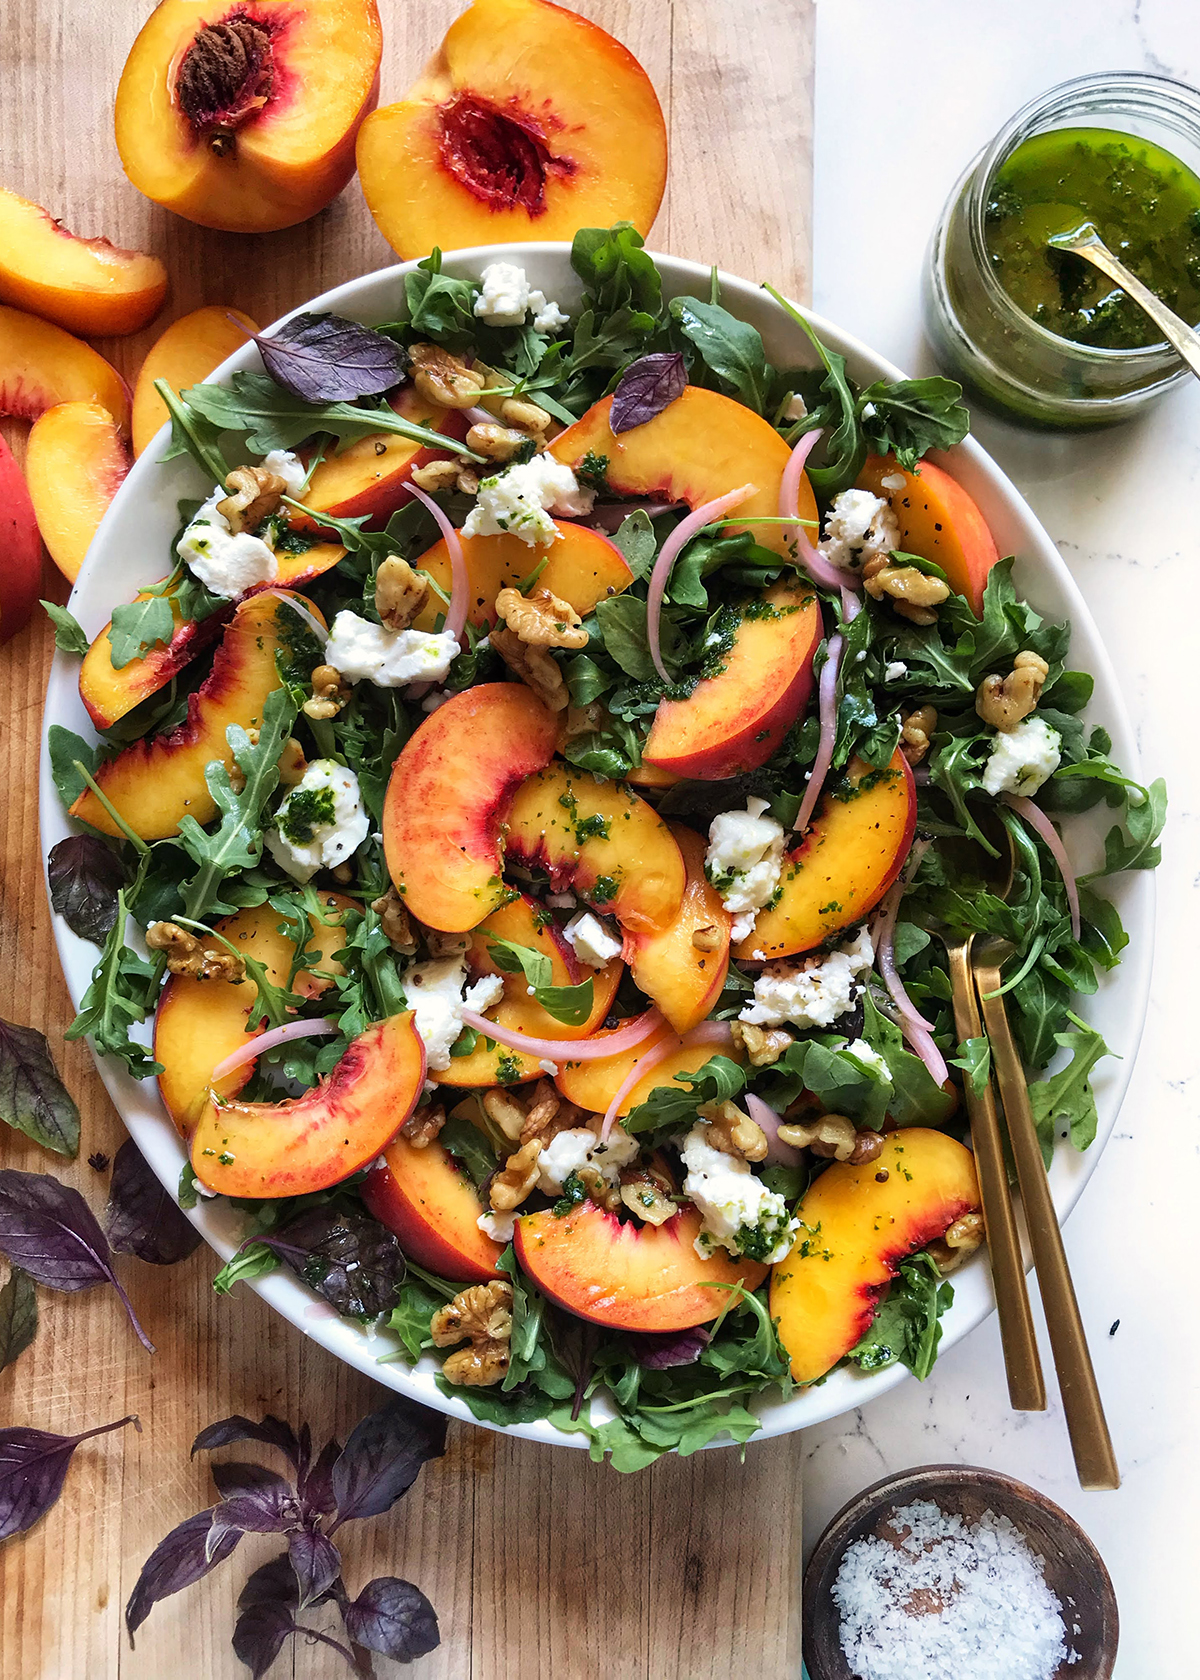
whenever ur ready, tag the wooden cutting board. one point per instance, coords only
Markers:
(538, 1562)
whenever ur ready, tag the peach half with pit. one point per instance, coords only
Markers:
(243, 116)
(528, 123)
(86, 285)
(857, 1224)
(854, 849)
(426, 1198)
(186, 353)
(938, 520)
(307, 1143)
(75, 462)
(42, 366)
(683, 968)
(582, 568)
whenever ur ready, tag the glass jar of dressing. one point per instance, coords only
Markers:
(1039, 334)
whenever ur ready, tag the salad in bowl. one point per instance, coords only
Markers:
(516, 827)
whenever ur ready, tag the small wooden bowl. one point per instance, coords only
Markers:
(1074, 1569)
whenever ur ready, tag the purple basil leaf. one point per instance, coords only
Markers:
(394, 1618)
(274, 1583)
(272, 1431)
(351, 1259)
(85, 876)
(270, 1507)
(317, 1563)
(176, 1562)
(383, 1458)
(18, 1316)
(658, 1351)
(646, 387)
(142, 1219)
(260, 1633)
(237, 1477)
(325, 358)
(33, 1466)
(33, 1099)
(316, 1487)
(51, 1233)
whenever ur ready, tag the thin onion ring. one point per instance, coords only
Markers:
(1041, 824)
(568, 1049)
(708, 1032)
(259, 1045)
(678, 540)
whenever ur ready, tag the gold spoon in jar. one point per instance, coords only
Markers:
(1082, 240)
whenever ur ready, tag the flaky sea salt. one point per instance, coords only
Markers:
(948, 1599)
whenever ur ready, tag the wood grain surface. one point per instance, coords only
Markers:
(539, 1563)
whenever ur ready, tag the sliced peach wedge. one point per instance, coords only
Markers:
(20, 546)
(582, 568)
(523, 923)
(529, 122)
(857, 1224)
(184, 355)
(41, 366)
(427, 1199)
(854, 849)
(938, 520)
(594, 1084)
(157, 781)
(602, 841)
(732, 722)
(307, 1143)
(700, 447)
(85, 285)
(199, 1023)
(244, 117)
(373, 477)
(629, 1276)
(449, 797)
(75, 461)
(681, 977)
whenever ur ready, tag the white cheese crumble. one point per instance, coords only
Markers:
(867, 1057)
(330, 841)
(894, 671)
(796, 408)
(812, 993)
(227, 565)
(434, 993)
(505, 298)
(501, 1227)
(522, 500)
(893, 481)
(1023, 758)
(572, 1150)
(591, 940)
(388, 658)
(289, 467)
(738, 1212)
(858, 527)
(743, 862)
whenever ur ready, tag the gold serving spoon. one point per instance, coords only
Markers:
(1083, 241)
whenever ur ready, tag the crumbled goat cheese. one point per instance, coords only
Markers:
(893, 481)
(434, 993)
(935, 1596)
(743, 862)
(859, 527)
(548, 317)
(388, 658)
(737, 1210)
(522, 500)
(290, 468)
(812, 993)
(321, 823)
(501, 1227)
(590, 940)
(1023, 758)
(570, 1151)
(894, 671)
(870, 1059)
(796, 409)
(505, 299)
(227, 565)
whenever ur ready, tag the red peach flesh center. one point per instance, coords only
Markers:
(501, 157)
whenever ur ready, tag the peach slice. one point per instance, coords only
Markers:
(581, 569)
(155, 782)
(683, 979)
(373, 476)
(938, 521)
(20, 547)
(307, 1143)
(109, 693)
(601, 841)
(244, 117)
(85, 285)
(523, 923)
(42, 366)
(853, 851)
(734, 721)
(530, 122)
(428, 1200)
(594, 1084)
(629, 1276)
(448, 799)
(200, 1022)
(76, 461)
(858, 1223)
(701, 446)
(185, 354)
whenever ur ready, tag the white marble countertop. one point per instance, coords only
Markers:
(907, 92)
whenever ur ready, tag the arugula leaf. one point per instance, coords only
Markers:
(469, 1146)
(622, 624)
(192, 435)
(975, 1059)
(906, 1326)
(636, 540)
(69, 635)
(672, 1108)
(730, 348)
(439, 306)
(137, 627)
(1066, 1098)
(1137, 848)
(616, 270)
(569, 1004)
(907, 417)
(121, 994)
(66, 749)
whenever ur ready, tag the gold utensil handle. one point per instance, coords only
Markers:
(1173, 327)
(1022, 1362)
(1091, 1443)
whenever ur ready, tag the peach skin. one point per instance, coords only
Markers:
(426, 1198)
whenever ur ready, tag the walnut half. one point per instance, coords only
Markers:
(186, 954)
(733, 1132)
(482, 1316)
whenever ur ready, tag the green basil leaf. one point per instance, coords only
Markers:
(138, 627)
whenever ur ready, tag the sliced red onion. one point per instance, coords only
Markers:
(914, 1026)
(479, 417)
(827, 710)
(258, 1046)
(456, 612)
(568, 1049)
(675, 543)
(816, 565)
(763, 1115)
(708, 1032)
(851, 604)
(1040, 822)
(313, 623)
